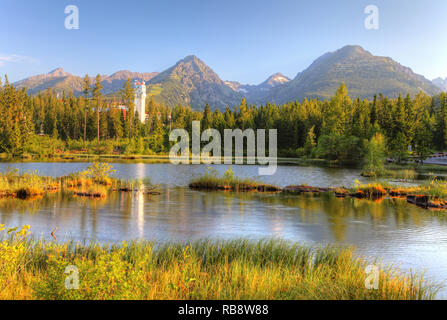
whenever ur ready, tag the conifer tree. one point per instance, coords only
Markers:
(86, 91)
(97, 96)
(128, 95)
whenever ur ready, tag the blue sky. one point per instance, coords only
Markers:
(245, 40)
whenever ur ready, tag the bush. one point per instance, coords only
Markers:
(44, 145)
(99, 172)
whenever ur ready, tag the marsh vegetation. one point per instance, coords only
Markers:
(94, 182)
(234, 269)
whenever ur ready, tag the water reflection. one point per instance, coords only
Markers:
(400, 233)
(230, 214)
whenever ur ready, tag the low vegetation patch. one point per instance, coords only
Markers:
(368, 191)
(229, 182)
(305, 189)
(26, 185)
(432, 194)
(236, 269)
(94, 182)
(402, 174)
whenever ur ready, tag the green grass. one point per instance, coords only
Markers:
(25, 185)
(206, 269)
(401, 174)
(211, 180)
(421, 168)
(95, 182)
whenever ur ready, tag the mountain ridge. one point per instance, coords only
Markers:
(363, 73)
(62, 81)
(190, 81)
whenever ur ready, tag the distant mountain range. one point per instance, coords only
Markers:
(191, 81)
(61, 81)
(259, 93)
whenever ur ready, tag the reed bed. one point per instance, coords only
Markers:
(211, 180)
(401, 174)
(434, 189)
(95, 182)
(432, 194)
(206, 269)
(369, 191)
(26, 185)
(404, 174)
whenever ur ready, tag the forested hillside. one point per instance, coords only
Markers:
(338, 128)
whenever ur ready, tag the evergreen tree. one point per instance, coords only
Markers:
(97, 96)
(207, 120)
(86, 91)
(310, 144)
(128, 95)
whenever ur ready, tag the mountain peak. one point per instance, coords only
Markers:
(350, 51)
(58, 72)
(191, 58)
(191, 81)
(353, 49)
(363, 73)
(274, 80)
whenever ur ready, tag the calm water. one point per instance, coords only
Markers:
(399, 233)
(171, 175)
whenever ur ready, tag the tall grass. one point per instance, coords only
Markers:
(206, 269)
(25, 185)
(405, 174)
(402, 174)
(211, 180)
(95, 181)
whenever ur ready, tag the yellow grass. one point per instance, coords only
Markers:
(237, 269)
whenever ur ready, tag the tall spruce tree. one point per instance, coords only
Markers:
(97, 96)
(128, 95)
(86, 91)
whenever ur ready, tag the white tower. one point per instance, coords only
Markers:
(140, 100)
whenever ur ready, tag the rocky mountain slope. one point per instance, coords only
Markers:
(363, 73)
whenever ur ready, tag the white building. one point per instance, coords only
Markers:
(140, 100)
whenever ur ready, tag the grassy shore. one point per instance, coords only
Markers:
(236, 269)
(401, 174)
(409, 171)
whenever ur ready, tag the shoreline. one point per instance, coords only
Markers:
(202, 269)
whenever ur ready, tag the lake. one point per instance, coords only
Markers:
(399, 233)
